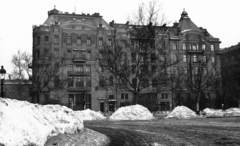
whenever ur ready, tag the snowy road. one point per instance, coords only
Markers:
(170, 132)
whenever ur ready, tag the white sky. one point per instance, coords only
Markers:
(219, 17)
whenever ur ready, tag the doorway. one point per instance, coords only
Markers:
(80, 102)
(102, 107)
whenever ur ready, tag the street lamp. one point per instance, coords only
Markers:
(2, 74)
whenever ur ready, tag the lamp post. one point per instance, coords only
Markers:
(2, 74)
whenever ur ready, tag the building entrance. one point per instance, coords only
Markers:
(80, 102)
(102, 107)
(111, 106)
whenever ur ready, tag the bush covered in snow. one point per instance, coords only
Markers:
(89, 115)
(182, 112)
(133, 112)
(23, 123)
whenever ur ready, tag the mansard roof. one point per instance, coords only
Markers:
(58, 17)
(186, 24)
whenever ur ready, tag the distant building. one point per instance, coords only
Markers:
(80, 38)
(230, 62)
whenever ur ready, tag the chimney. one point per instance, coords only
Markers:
(175, 24)
(111, 23)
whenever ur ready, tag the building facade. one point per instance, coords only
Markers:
(78, 38)
(230, 63)
(197, 52)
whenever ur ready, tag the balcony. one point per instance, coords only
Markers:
(79, 89)
(79, 59)
(195, 51)
(78, 73)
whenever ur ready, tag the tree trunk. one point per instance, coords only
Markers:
(135, 101)
(198, 101)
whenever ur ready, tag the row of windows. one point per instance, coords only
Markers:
(196, 70)
(232, 58)
(135, 57)
(77, 54)
(80, 41)
(46, 81)
(194, 58)
(80, 54)
(193, 47)
(79, 68)
(79, 81)
(143, 68)
(38, 40)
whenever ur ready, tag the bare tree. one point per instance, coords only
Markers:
(20, 86)
(48, 76)
(138, 61)
(201, 75)
(21, 62)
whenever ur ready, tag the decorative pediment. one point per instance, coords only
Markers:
(78, 25)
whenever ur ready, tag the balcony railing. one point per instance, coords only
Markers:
(78, 73)
(195, 51)
(79, 59)
(81, 89)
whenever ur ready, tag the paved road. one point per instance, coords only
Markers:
(214, 132)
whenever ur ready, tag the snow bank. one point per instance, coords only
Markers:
(133, 112)
(232, 112)
(23, 123)
(213, 112)
(89, 115)
(182, 112)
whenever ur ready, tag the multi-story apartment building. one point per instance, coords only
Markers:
(77, 38)
(197, 52)
(230, 63)
(80, 37)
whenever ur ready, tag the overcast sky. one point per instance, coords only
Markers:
(219, 17)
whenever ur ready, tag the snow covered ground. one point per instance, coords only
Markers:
(23, 123)
(232, 112)
(182, 112)
(89, 115)
(134, 112)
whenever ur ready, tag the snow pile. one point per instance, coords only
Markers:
(133, 112)
(89, 115)
(182, 112)
(232, 112)
(23, 123)
(213, 112)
